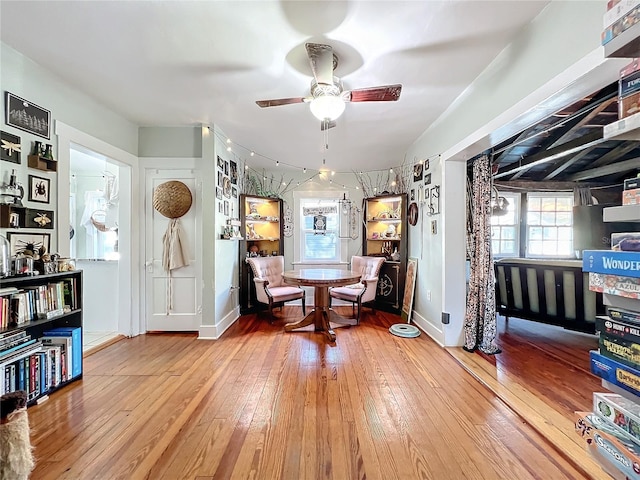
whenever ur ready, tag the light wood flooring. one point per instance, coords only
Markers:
(264, 404)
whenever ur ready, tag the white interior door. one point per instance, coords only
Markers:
(183, 286)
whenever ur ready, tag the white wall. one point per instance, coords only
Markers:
(100, 296)
(26, 79)
(226, 261)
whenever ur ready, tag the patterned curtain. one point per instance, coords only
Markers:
(480, 317)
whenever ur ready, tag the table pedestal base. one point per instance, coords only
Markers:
(322, 317)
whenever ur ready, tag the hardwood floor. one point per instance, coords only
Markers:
(263, 404)
(543, 375)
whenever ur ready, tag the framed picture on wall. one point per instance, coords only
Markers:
(10, 147)
(219, 193)
(220, 163)
(417, 172)
(37, 218)
(39, 189)
(226, 187)
(28, 242)
(226, 207)
(27, 116)
(233, 172)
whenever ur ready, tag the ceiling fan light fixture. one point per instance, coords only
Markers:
(327, 107)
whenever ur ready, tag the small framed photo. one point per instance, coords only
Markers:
(220, 163)
(417, 172)
(10, 147)
(219, 193)
(27, 116)
(234, 192)
(39, 189)
(28, 242)
(220, 175)
(226, 187)
(36, 218)
(412, 196)
(233, 172)
(426, 165)
(427, 179)
(219, 207)
(226, 207)
(226, 167)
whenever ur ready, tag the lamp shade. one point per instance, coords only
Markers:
(327, 107)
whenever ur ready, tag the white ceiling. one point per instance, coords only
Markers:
(177, 63)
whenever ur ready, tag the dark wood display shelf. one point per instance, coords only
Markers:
(42, 163)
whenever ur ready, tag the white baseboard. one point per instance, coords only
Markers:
(214, 332)
(429, 328)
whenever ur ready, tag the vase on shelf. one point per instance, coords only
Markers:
(48, 153)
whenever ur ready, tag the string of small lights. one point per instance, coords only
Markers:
(326, 175)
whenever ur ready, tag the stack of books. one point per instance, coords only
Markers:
(612, 429)
(619, 17)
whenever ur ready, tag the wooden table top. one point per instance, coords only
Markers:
(321, 277)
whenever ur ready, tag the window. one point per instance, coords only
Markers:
(549, 224)
(505, 229)
(319, 246)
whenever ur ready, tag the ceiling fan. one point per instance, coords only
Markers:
(327, 98)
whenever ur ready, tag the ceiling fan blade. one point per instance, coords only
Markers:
(280, 101)
(326, 125)
(321, 60)
(386, 93)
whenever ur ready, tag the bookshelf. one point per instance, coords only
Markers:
(261, 226)
(40, 333)
(385, 234)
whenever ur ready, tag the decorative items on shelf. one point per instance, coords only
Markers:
(44, 150)
(12, 192)
(231, 231)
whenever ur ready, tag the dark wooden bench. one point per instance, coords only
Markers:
(555, 292)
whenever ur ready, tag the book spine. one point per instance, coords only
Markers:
(619, 349)
(617, 314)
(618, 11)
(618, 329)
(612, 262)
(629, 85)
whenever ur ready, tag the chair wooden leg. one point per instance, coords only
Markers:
(304, 309)
(358, 317)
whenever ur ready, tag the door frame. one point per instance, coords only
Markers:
(129, 305)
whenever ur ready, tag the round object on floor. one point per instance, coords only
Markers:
(404, 330)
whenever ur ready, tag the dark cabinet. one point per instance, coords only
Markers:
(262, 230)
(385, 234)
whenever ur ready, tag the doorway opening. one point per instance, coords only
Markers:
(94, 214)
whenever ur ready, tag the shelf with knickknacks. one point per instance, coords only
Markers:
(384, 234)
(41, 157)
(12, 211)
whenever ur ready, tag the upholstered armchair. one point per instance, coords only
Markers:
(365, 290)
(270, 288)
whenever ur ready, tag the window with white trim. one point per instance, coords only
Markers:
(549, 224)
(319, 245)
(505, 228)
